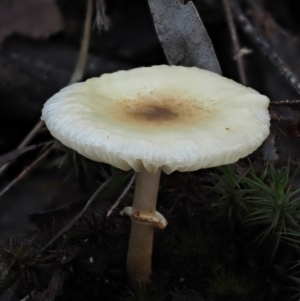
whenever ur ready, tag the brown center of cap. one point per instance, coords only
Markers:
(159, 111)
(151, 112)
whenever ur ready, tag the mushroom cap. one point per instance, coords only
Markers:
(168, 117)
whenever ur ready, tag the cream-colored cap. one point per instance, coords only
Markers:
(169, 117)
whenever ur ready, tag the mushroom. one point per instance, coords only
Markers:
(159, 118)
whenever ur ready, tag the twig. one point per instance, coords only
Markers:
(27, 297)
(10, 293)
(80, 214)
(26, 171)
(54, 287)
(235, 41)
(4, 159)
(288, 103)
(285, 102)
(82, 58)
(175, 203)
(31, 134)
(25, 142)
(122, 195)
(102, 20)
(76, 76)
(266, 49)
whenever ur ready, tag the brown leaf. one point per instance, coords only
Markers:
(33, 18)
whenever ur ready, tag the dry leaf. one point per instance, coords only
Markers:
(183, 35)
(33, 18)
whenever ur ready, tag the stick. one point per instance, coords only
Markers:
(235, 41)
(79, 215)
(76, 76)
(26, 171)
(83, 54)
(266, 49)
(25, 142)
(122, 195)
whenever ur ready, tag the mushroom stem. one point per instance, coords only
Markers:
(141, 236)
